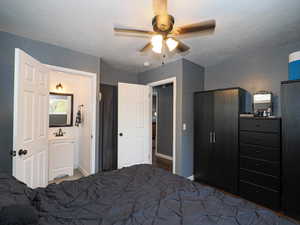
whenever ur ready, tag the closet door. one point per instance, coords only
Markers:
(108, 128)
(203, 127)
(291, 148)
(225, 138)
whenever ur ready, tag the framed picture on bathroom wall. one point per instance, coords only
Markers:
(61, 109)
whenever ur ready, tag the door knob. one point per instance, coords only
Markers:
(22, 152)
(120, 134)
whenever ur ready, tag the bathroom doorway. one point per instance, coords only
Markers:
(77, 140)
(32, 156)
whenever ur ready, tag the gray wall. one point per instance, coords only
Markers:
(259, 69)
(189, 78)
(173, 69)
(45, 53)
(111, 75)
(193, 81)
(164, 135)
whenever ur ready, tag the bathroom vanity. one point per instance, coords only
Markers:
(61, 156)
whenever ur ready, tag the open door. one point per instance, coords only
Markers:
(134, 119)
(31, 121)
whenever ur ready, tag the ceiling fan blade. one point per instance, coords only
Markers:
(205, 27)
(133, 31)
(146, 48)
(182, 47)
(160, 7)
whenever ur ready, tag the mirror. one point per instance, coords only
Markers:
(60, 110)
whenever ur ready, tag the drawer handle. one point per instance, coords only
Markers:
(257, 125)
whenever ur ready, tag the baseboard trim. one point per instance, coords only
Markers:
(83, 171)
(191, 178)
(163, 156)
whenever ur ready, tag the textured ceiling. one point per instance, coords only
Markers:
(86, 26)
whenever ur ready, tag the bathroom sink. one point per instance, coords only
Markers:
(63, 138)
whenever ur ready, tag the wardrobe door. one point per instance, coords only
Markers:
(203, 127)
(291, 148)
(225, 153)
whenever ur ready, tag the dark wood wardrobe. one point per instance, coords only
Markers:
(216, 137)
(290, 104)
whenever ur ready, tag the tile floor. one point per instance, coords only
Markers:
(77, 175)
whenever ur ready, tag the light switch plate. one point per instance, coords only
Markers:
(184, 126)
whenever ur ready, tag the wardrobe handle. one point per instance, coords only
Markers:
(214, 137)
(210, 137)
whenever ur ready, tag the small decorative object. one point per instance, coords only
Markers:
(262, 104)
(79, 116)
(246, 115)
(59, 87)
(294, 66)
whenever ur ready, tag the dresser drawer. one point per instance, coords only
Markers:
(260, 152)
(261, 125)
(270, 168)
(263, 139)
(260, 195)
(260, 179)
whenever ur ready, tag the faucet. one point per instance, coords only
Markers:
(59, 133)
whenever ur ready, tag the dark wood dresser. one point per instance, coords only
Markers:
(260, 161)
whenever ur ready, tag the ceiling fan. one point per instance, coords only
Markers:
(165, 35)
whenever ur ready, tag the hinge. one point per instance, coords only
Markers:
(13, 153)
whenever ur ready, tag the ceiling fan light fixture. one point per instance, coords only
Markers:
(157, 49)
(172, 44)
(156, 42)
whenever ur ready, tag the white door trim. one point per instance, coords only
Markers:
(162, 82)
(94, 106)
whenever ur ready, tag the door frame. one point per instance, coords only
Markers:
(93, 76)
(171, 80)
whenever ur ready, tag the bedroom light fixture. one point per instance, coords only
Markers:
(156, 42)
(59, 87)
(172, 44)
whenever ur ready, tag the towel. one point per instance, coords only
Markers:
(78, 118)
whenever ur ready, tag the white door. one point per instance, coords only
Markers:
(134, 119)
(31, 121)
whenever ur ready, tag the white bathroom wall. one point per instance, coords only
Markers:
(85, 130)
(81, 88)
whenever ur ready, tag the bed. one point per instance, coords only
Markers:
(136, 195)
